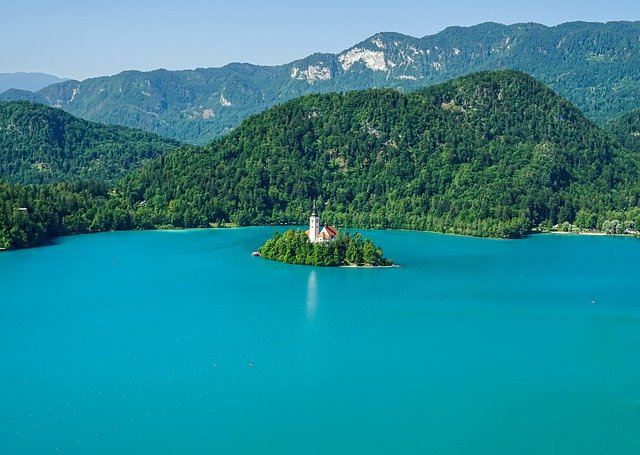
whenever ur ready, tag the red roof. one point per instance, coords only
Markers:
(328, 232)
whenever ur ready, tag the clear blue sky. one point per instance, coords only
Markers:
(85, 38)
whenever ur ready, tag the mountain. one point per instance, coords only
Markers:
(493, 153)
(626, 130)
(26, 81)
(15, 94)
(594, 65)
(40, 144)
(489, 154)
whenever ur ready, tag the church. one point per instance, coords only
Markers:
(315, 235)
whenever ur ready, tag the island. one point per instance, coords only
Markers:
(326, 247)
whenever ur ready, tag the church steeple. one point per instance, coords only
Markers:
(314, 224)
(315, 234)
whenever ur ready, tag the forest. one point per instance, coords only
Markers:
(293, 247)
(40, 144)
(492, 154)
(626, 130)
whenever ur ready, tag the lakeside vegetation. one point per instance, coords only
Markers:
(33, 215)
(493, 154)
(293, 247)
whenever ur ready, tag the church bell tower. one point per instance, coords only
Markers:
(314, 224)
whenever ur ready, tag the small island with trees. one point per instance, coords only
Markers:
(325, 247)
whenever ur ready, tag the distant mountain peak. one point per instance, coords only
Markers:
(27, 81)
(595, 65)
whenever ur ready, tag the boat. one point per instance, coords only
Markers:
(256, 254)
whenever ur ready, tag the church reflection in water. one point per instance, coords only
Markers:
(312, 295)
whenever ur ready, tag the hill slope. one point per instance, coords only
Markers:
(596, 66)
(626, 130)
(490, 154)
(494, 153)
(40, 144)
(14, 94)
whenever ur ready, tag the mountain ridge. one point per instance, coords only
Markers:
(31, 81)
(594, 65)
(494, 153)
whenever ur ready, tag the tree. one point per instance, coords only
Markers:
(369, 253)
(352, 255)
(294, 248)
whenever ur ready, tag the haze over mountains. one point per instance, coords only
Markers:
(594, 65)
(26, 81)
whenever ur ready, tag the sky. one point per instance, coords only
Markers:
(81, 39)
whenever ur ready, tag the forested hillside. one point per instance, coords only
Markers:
(493, 154)
(596, 66)
(40, 144)
(626, 130)
(489, 154)
(14, 94)
(32, 215)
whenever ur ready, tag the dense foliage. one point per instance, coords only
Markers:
(626, 130)
(293, 247)
(39, 144)
(33, 215)
(490, 154)
(594, 65)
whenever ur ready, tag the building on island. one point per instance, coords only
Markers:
(315, 235)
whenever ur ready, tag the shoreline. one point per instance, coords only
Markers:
(351, 266)
(592, 233)
(586, 233)
(52, 240)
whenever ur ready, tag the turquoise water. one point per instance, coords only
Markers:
(140, 342)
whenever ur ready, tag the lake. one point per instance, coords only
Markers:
(181, 342)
